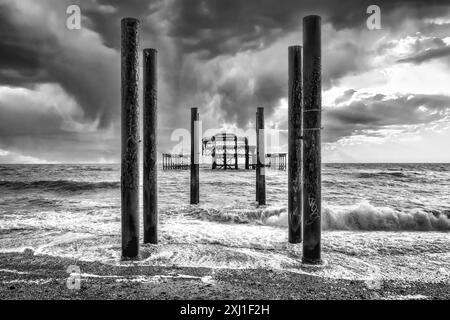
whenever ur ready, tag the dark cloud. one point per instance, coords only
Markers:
(239, 99)
(104, 17)
(196, 41)
(21, 52)
(426, 55)
(31, 54)
(348, 94)
(16, 122)
(380, 111)
(66, 147)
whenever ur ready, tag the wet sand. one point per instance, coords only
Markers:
(29, 275)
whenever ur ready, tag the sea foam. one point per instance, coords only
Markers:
(365, 216)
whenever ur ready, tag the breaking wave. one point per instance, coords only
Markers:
(362, 216)
(365, 216)
(259, 216)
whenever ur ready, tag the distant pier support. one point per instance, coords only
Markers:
(295, 145)
(195, 153)
(150, 183)
(224, 151)
(213, 153)
(177, 161)
(312, 105)
(130, 138)
(260, 158)
(247, 149)
(236, 166)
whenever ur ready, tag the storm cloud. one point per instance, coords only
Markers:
(225, 57)
(376, 112)
(428, 55)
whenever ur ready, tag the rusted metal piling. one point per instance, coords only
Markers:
(295, 144)
(255, 160)
(312, 104)
(260, 158)
(247, 149)
(195, 136)
(236, 153)
(130, 137)
(213, 153)
(224, 148)
(150, 144)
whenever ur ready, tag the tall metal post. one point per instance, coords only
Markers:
(312, 104)
(150, 181)
(260, 158)
(195, 136)
(130, 137)
(295, 110)
(246, 153)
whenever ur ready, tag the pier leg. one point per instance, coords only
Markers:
(295, 145)
(246, 153)
(312, 197)
(195, 135)
(213, 153)
(130, 138)
(150, 181)
(235, 153)
(255, 160)
(224, 147)
(260, 158)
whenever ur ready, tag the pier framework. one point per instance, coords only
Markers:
(304, 141)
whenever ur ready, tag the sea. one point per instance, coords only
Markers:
(377, 214)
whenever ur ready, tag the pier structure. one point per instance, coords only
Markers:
(176, 161)
(225, 150)
(277, 161)
(304, 144)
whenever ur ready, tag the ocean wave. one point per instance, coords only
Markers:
(364, 216)
(59, 185)
(235, 215)
(397, 174)
(361, 216)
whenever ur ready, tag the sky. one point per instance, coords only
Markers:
(385, 92)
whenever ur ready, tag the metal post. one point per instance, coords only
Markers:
(213, 153)
(257, 169)
(195, 194)
(130, 137)
(150, 181)
(312, 197)
(260, 158)
(295, 145)
(224, 147)
(235, 153)
(246, 153)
